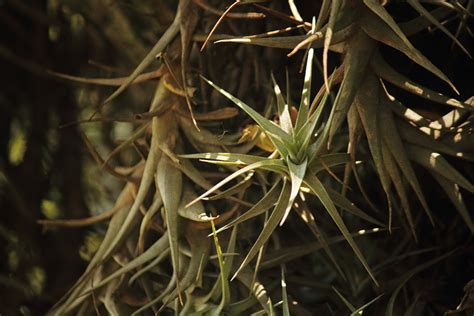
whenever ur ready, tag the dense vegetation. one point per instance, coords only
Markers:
(216, 158)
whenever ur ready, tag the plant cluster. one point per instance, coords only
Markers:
(288, 203)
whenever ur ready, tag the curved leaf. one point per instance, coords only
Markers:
(435, 162)
(318, 189)
(170, 183)
(267, 201)
(269, 227)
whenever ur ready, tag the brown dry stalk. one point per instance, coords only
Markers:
(247, 15)
(80, 222)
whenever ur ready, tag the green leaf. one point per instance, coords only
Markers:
(193, 174)
(204, 136)
(303, 110)
(314, 150)
(410, 115)
(355, 132)
(258, 290)
(239, 187)
(284, 294)
(342, 202)
(150, 213)
(112, 306)
(318, 164)
(269, 227)
(267, 201)
(228, 264)
(283, 109)
(318, 189)
(237, 159)
(200, 248)
(278, 136)
(223, 277)
(308, 218)
(379, 10)
(297, 173)
(253, 166)
(239, 307)
(306, 132)
(169, 288)
(451, 119)
(360, 310)
(344, 300)
(287, 254)
(290, 42)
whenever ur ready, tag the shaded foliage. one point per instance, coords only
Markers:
(258, 157)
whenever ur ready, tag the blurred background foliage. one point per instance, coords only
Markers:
(47, 172)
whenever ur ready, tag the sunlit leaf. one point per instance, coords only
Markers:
(303, 109)
(384, 70)
(434, 161)
(361, 309)
(297, 173)
(277, 135)
(223, 277)
(253, 166)
(283, 109)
